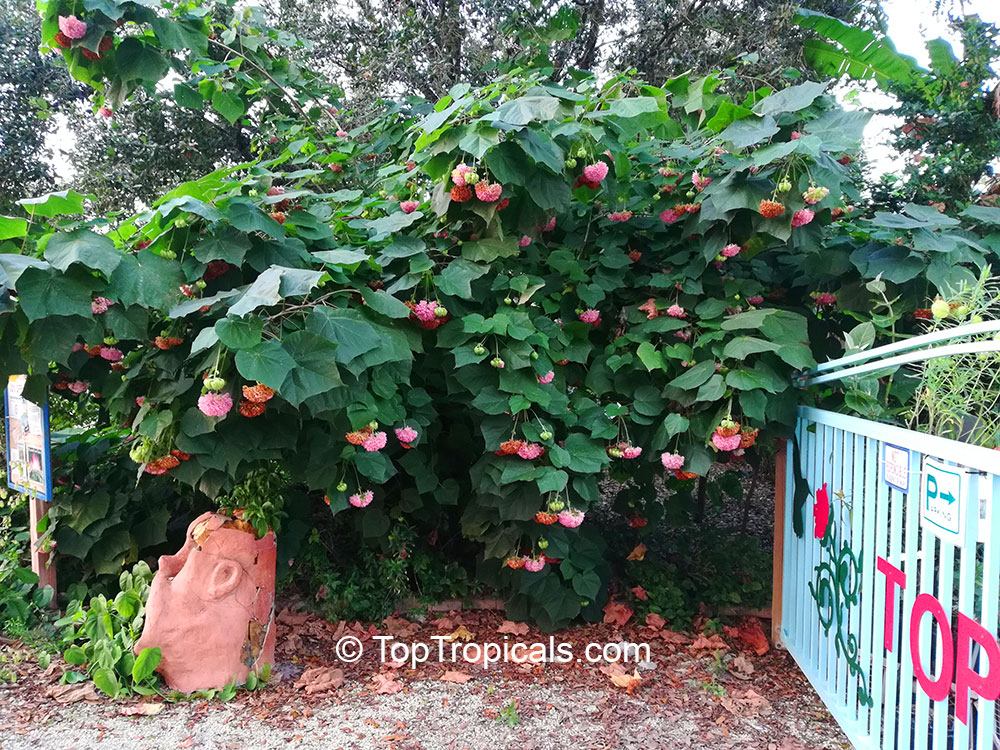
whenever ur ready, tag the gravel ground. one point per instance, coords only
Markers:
(431, 716)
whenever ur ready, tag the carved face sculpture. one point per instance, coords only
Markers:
(211, 606)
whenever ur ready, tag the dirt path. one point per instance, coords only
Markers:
(692, 693)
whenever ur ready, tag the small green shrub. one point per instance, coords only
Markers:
(103, 634)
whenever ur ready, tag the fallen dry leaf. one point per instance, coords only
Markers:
(709, 644)
(669, 636)
(514, 628)
(451, 675)
(386, 684)
(654, 621)
(638, 554)
(320, 680)
(746, 705)
(741, 667)
(460, 633)
(640, 593)
(617, 613)
(81, 691)
(142, 709)
(400, 627)
(445, 623)
(628, 681)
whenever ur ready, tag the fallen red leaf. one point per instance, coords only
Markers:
(617, 613)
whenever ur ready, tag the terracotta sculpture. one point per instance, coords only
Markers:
(211, 606)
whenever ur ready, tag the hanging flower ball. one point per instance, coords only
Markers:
(700, 182)
(251, 409)
(571, 518)
(595, 172)
(408, 207)
(100, 305)
(111, 354)
(546, 378)
(672, 461)
(771, 209)
(259, 393)
(620, 216)
(729, 443)
(375, 442)
(78, 386)
(458, 174)
(72, 27)
(631, 451)
(524, 241)
(814, 194)
(730, 251)
(676, 311)
(488, 192)
(533, 565)
(215, 404)
(406, 434)
(590, 317)
(530, 451)
(361, 499)
(802, 217)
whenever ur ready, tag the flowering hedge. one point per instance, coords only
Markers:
(466, 312)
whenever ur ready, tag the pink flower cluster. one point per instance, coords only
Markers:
(458, 174)
(374, 443)
(595, 172)
(408, 207)
(550, 225)
(676, 311)
(215, 404)
(631, 451)
(100, 305)
(72, 27)
(620, 216)
(802, 217)
(424, 309)
(672, 461)
(111, 354)
(590, 317)
(341, 133)
(488, 192)
(730, 443)
(546, 378)
(530, 451)
(532, 565)
(730, 251)
(824, 299)
(683, 335)
(77, 386)
(361, 499)
(571, 518)
(524, 241)
(755, 299)
(671, 215)
(406, 434)
(700, 182)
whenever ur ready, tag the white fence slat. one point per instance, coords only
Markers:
(987, 722)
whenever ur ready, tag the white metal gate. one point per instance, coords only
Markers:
(890, 606)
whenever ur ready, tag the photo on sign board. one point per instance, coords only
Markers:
(36, 472)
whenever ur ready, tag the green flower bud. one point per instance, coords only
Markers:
(200, 283)
(534, 355)
(940, 309)
(440, 311)
(342, 487)
(479, 350)
(784, 186)
(546, 435)
(570, 163)
(543, 544)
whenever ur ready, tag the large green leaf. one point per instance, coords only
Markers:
(792, 99)
(457, 278)
(384, 303)
(488, 250)
(245, 216)
(748, 131)
(315, 370)
(352, 334)
(227, 244)
(264, 292)
(83, 246)
(146, 279)
(856, 52)
(138, 61)
(524, 110)
(695, 376)
(44, 291)
(268, 362)
(11, 227)
(237, 333)
(55, 204)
